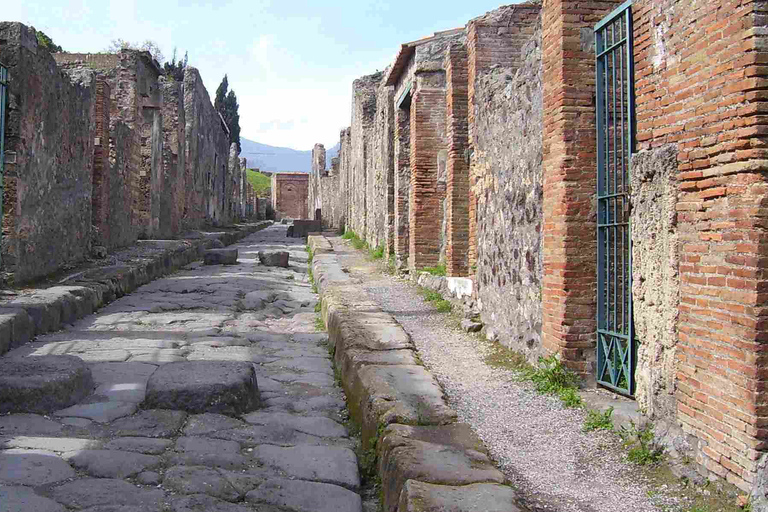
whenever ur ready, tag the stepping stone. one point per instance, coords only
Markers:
(100, 412)
(220, 257)
(111, 463)
(92, 492)
(300, 496)
(43, 384)
(274, 258)
(15, 498)
(225, 387)
(32, 467)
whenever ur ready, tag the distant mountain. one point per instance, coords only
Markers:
(277, 159)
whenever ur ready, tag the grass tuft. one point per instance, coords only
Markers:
(319, 323)
(642, 447)
(551, 377)
(597, 420)
(438, 270)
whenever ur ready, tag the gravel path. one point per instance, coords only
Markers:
(535, 441)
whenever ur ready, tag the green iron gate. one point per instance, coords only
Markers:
(616, 350)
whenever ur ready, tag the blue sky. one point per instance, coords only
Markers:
(291, 63)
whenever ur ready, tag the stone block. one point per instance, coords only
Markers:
(448, 455)
(43, 384)
(302, 228)
(225, 387)
(220, 257)
(274, 258)
(470, 326)
(424, 497)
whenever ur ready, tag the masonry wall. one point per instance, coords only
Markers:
(290, 195)
(171, 195)
(380, 165)
(49, 160)
(507, 171)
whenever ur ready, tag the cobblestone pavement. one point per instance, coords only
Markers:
(111, 453)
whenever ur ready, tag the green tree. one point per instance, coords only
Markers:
(226, 104)
(176, 69)
(221, 95)
(46, 42)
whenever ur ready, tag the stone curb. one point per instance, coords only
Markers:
(46, 310)
(426, 459)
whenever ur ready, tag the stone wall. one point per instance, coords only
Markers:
(380, 164)
(290, 194)
(49, 159)
(508, 186)
(171, 196)
(364, 94)
(655, 278)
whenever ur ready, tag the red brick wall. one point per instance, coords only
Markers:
(457, 187)
(291, 192)
(427, 140)
(101, 168)
(570, 252)
(700, 83)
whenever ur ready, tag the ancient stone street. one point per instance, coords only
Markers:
(212, 391)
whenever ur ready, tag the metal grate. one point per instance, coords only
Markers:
(616, 347)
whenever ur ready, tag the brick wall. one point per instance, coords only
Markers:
(101, 171)
(569, 155)
(290, 193)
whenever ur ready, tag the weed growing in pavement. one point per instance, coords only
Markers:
(357, 242)
(550, 377)
(377, 253)
(438, 270)
(290, 277)
(642, 447)
(597, 420)
(318, 307)
(442, 305)
(390, 268)
(319, 323)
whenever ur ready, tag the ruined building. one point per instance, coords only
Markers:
(103, 149)
(290, 195)
(598, 170)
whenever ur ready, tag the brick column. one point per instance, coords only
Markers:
(100, 181)
(457, 192)
(569, 147)
(427, 129)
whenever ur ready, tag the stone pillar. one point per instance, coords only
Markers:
(569, 161)
(100, 197)
(457, 192)
(428, 109)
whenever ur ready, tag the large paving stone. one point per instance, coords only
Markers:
(204, 503)
(301, 496)
(145, 445)
(201, 424)
(227, 387)
(154, 423)
(220, 256)
(42, 384)
(27, 424)
(111, 463)
(380, 395)
(447, 455)
(201, 451)
(197, 480)
(424, 497)
(100, 412)
(313, 425)
(328, 464)
(125, 382)
(94, 492)
(32, 467)
(21, 499)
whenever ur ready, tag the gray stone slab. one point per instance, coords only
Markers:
(27, 424)
(53, 444)
(227, 387)
(423, 497)
(21, 499)
(313, 425)
(267, 434)
(152, 423)
(76, 422)
(204, 503)
(447, 455)
(93, 492)
(202, 444)
(303, 364)
(274, 258)
(111, 463)
(42, 384)
(149, 478)
(300, 496)
(201, 424)
(32, 467)
(197, 480)
(220, 256)
(328, 464)
(100, 412)
(145, 445)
